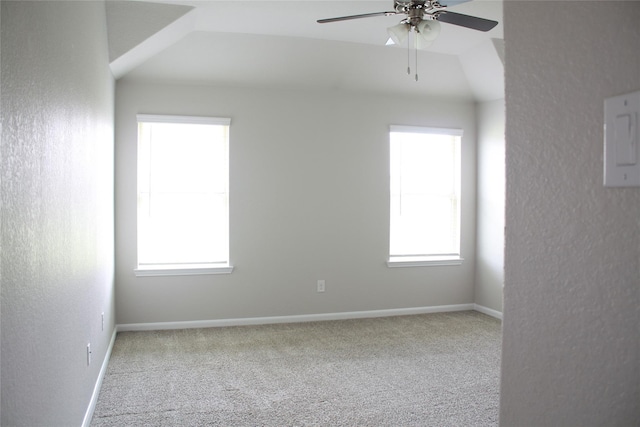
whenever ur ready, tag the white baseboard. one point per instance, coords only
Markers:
(96, 389)
(488, 311)
(291, 319)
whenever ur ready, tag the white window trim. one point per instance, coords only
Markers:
(194, 120)
(424, 261)
(182, 269)
(427, 130)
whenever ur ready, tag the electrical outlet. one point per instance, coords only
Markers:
(88, 354)
(321, 285)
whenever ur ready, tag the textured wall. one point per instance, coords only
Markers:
(57, 209)
(309, 200)
(489, 277)
(571, 353)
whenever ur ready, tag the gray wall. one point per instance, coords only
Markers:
(309, 200)
(131, 23)
(571, 346)
(489, 278)
(57, 209)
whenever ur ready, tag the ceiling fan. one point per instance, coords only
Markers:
(417, 11)
(422, 17)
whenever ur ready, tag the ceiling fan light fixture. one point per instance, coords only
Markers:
(398, 33)
(428, 31)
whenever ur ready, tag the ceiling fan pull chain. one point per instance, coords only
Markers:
(409, 53)
(416, 47)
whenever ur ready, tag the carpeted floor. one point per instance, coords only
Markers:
(423, 370)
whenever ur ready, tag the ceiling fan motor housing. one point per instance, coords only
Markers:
(416, 10)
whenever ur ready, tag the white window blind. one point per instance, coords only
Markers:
(183, 192)
(425, 194)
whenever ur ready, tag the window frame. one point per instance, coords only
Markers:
(181, 269)
(429, 259)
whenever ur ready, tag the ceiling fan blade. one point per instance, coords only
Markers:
(467, 21)
(364, 15)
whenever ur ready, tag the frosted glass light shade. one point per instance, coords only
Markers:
(427, 31)
(398, 33)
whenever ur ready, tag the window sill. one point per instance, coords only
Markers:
(424, 261)
(182, 270)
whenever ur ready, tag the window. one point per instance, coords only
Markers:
(425, 196)
(183, 195)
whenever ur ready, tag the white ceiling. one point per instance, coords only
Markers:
(279, 43)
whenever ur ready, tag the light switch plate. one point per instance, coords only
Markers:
(622, 140)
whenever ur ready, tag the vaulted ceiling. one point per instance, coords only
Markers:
(267, 43)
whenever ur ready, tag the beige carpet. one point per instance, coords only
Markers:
(424, 370)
